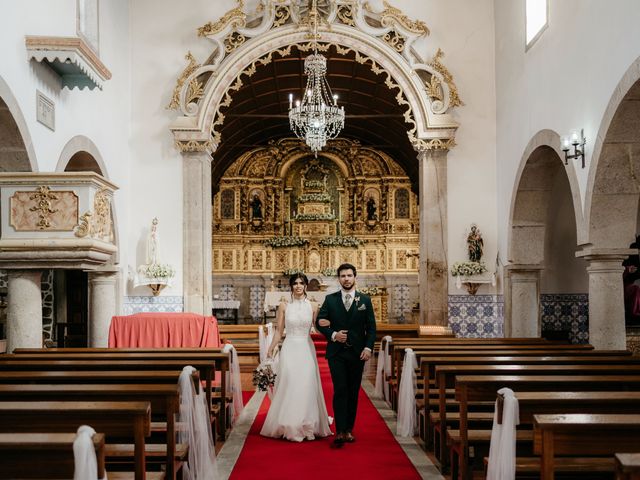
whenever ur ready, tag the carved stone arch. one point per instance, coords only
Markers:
(541, 173)
(86, 154)
(611, 210)
(22, 155)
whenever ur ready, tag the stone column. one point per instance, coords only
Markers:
(606, 301)
(522, 301)
(24, 309)
(433, 273)
(196, 264)
(102, 306)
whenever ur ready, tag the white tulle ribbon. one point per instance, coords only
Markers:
(265, 339)
(407, 418)
(234, 383)
(383, 369)
(84, 455)
(502, 451)
(195, 430)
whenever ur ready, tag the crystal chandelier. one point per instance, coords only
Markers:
(316, 118)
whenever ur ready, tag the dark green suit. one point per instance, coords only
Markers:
(344, 359)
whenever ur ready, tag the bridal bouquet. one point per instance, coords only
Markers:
(263, 376)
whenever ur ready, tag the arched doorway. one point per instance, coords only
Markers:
(546, 285)
(245, 46)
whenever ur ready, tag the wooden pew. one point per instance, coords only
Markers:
(583, 434)
(164, 400)
(129, 361)
(476, 388)
(119, 419)
(34, 455)
(446, 378)
(627, 466)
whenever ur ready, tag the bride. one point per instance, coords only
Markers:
(297, 409)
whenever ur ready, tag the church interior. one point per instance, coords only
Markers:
(166, 168)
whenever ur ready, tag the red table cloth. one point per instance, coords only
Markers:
(157, 330)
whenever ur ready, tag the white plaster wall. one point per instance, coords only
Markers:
(103, 116)
(462, 28)
(564, 81)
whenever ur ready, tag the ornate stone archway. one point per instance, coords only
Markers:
(385, 40)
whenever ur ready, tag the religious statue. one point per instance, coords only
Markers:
(256, 206)
(475, 244)
(371, 209)
(153, 244)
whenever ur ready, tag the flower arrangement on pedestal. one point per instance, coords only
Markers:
(340, 241)
(284, 242)
(474, 266)
(467, 269)
(154, 274)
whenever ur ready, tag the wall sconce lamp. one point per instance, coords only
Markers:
(577, 140)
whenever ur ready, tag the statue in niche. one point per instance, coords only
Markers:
(475, 244)
(371, 209)
(153, 243)
(256, 207)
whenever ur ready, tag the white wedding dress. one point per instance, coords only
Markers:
(297, 409)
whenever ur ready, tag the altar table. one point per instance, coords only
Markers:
(157, 330)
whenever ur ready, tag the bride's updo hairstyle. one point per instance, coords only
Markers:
(302, 277)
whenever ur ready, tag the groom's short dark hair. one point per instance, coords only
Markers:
(347, 266)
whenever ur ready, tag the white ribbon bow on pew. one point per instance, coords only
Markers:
(264, 340)
(195, 430)
(502, 452)
(407, 418)
(84, 455)
(234, 382)
(384, 368)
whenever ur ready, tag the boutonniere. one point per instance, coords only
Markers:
(357, 299)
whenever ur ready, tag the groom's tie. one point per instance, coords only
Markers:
(347, 301)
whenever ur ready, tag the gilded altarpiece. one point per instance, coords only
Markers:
(278, 209)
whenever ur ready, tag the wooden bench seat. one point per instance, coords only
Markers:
(32, 455)
(583, 434)
(118, 419)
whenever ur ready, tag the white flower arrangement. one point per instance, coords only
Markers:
(340, 241)
(467, 269)
(315, 216)
(313, 184)
(314, 197)
(284, 242)
(292, 271)
(371, 291)
(329, 272)
(157, 270)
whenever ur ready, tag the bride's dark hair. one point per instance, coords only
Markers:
(301, 276)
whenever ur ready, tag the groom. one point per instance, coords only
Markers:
(346, 318)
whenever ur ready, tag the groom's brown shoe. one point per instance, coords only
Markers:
(349, 438)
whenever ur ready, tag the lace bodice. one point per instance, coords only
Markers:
(298, 317)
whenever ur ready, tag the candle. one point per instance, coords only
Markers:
(290, 100)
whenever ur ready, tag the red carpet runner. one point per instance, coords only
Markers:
(375, 455)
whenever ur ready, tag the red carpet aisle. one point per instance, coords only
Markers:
(375, 455)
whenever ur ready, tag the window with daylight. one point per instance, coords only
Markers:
(87, 19)
(537, 19)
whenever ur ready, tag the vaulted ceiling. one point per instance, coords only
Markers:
(259, 111)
